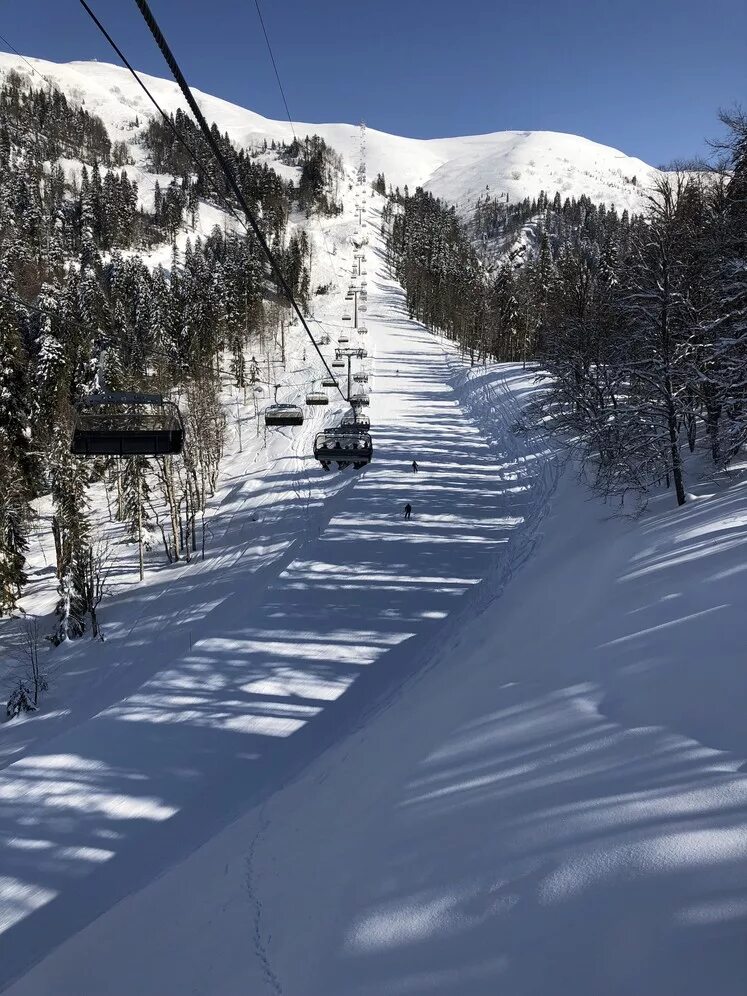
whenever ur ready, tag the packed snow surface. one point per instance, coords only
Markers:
(516, 164)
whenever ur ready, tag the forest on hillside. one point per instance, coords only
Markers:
(81, 309)
(639, 324)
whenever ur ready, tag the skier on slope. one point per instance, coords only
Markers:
(408, 510)
(415, 466)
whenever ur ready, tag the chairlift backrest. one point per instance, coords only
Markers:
(282, 415)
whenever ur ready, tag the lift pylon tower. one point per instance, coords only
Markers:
(362, 162)
(341, 355)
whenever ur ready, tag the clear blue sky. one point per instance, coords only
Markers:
(645, 76)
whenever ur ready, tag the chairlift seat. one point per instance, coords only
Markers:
(355, 421)
(343, 448)
(317, 398)
(282, 415)
(127, 424)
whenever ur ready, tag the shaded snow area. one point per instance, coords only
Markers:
(516, 164)
(493, 749)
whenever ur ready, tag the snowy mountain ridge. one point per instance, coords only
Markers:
(513, 164)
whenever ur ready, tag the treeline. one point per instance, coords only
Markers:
(639, 323)
(80, 311)
(321, 168)
(496, 219)
(259, 184)
(45, 122)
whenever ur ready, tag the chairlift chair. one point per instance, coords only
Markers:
(317, 398)
(338, 364)
(329, 382)
(347, 318)
(355, 421)
(360, 400)
(360, 378)
(343, 448)
(277, 416)
(127, 424)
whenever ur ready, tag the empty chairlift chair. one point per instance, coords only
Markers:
(277, 416)
(343, 448)
(127, 424)
(329, 382)
(317, 398)
(355, 421)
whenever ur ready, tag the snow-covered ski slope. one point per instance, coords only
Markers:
(459, 170)
(297, 625)
(495, 748)
(498, 748)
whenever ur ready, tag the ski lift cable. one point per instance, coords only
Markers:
(290, 119)
(177, 134)
(142, 175)
(217, 154)
(24, 59)
(192, 154)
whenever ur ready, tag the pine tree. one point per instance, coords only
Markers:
(15, 519)
(70, 526)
